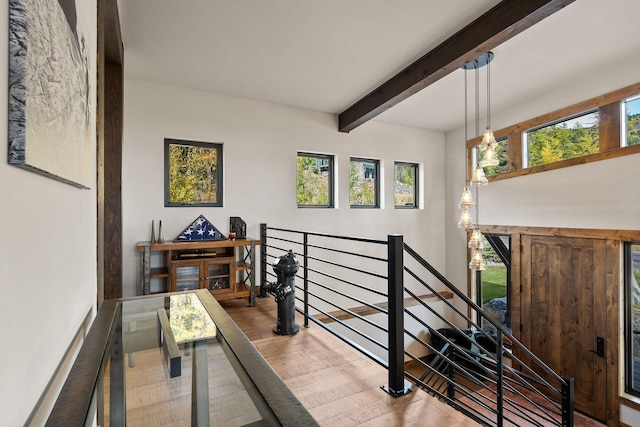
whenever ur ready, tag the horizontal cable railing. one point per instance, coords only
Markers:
(384, 300)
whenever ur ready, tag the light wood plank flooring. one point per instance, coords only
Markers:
(339, 386)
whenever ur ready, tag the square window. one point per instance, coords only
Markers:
(405, 185)
(193, 173)
(364, 183)
(314, 180)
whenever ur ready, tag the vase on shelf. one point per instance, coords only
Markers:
(153, 233)
(160, 238)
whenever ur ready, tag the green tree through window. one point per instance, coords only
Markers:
(404, 186)
(632, 112)
(314, 180)
(363, 183)
(193, 173)
(571, 138)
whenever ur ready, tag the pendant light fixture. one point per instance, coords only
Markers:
(466, 201)
(489, 143)
(478, 178)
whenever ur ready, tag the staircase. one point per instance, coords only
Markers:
(387, 302)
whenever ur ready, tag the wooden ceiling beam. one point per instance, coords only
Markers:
(502, 22)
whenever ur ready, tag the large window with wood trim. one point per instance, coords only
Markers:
(600, 128)
(567, 138)
(632, 323)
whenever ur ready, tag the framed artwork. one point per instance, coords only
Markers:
(193, 173)
(52, 119)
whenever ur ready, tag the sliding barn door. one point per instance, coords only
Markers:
(563, 312)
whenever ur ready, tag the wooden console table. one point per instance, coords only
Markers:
(225, 267)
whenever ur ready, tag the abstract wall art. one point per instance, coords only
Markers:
(52, 120)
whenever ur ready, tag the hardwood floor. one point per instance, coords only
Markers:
(339, 386)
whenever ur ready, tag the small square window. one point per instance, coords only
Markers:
(364, 183)
(314, 180)
(193, 173)
(405, 185)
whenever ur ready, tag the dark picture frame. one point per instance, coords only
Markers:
(52, 120)
(193, 174)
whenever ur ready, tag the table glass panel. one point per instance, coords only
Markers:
(151, 396)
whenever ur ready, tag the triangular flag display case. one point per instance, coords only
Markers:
(200, 229)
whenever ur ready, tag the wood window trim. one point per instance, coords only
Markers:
(609, 122)
(586, 233)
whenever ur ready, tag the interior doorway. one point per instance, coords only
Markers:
(563, 312)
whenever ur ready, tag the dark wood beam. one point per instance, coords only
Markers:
(109, 151)
(504, 21)
(113, 47)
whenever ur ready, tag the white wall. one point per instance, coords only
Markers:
(260, 145)
(47, 270)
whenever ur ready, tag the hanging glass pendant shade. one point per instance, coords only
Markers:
(466, 201)
(489, 158)
(479, 179)
(475, 242)
(466, 220)
(477, 261)
(487, 138)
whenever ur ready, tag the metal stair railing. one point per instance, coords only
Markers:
(503, 380)
(371, 294)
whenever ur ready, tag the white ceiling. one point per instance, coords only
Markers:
(326, 54)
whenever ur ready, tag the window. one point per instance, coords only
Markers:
(632, 329)
(494, 283)
(314, 180)
(405, 185)
(566, 139)
(364, 183)
(502, 152)
(631, 113)
(193, 173)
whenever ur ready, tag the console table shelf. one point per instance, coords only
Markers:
(225, 267)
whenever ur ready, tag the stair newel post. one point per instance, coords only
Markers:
(567, 402)
(451, 374)
(395, 269)
(500, 378)
(305, 260)
(263, 259)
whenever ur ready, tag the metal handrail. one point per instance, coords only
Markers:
(506, 389)
(477, 308)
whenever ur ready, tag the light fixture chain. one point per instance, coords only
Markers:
(489, 95)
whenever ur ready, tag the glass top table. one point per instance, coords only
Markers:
(172, 359)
